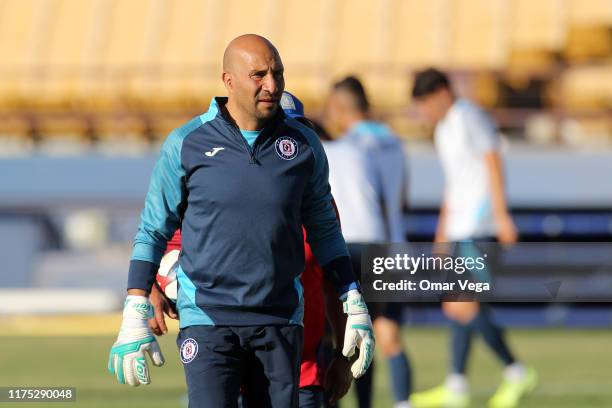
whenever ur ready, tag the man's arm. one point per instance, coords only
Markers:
(506, 229)
(441, 226)
(338, 377)
(334, 314)
(160, 217)
(321, 222)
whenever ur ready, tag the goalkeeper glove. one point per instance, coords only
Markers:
(358, 333)
(127, 360)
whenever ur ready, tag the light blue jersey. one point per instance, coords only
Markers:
(369, 181)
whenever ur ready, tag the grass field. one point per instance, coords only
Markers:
(575, 369)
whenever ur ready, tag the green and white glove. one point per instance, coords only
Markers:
(358, 333)
(127, 360)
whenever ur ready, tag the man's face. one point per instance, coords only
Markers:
(258, 83)
(336, 111)
(433, 107)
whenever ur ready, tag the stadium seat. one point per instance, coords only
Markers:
(129, 27)
(153, 63)
(306, 47)
(420, 32)
(18, 45)
(186, 64)
(537, 24)
(592, 12)
(408, 126)
(360, 37)
(588, 43)
(525, 62)
(162, 125)
(62, 126)
(541, 128)
(14, 125)
(62, 134)
(69, 51)
(118, 127)
(586, 132)
(485, 89)
(388, 89)
(587, 88)
(477, 35)
(237, 17)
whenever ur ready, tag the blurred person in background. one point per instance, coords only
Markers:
(473, 209)
(368, 180)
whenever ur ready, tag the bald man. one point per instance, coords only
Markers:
(239, 180)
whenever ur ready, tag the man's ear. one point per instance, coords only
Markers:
(226, 77)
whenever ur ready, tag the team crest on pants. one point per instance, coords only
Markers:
(286, 148)
(189, 349)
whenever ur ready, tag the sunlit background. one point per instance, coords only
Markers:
(90, 88)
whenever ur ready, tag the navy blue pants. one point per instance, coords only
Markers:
(263, 360)
(311, 397)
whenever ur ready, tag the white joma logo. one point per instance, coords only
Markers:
(214, 151)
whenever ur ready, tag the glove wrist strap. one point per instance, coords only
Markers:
(136, 312)
(355, 304)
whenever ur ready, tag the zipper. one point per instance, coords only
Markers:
(259, 140)
(250, 152)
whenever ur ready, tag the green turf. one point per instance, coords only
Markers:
(574, 367)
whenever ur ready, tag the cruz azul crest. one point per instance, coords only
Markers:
(286, 148)
(189, 349)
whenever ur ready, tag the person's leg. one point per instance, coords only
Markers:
(518, 379)
(454, 392)
(492, 335)
(272, 372)
(363, 387)
(401, 378)
(482, 321)
(325, 356)
(311, 397)
(388, 341)
(212, 360)
(461, 314)
(460, 345)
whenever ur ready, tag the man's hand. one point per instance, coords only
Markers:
(507, 233)
(338, 379)
(127, 360)
(160, 305)
(358, 333)
(506, 230)
(440, 234)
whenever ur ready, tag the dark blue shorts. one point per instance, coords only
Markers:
(312, 397)
(262, 361)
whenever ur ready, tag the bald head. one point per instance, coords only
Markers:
(253, 77)
(244, 47)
